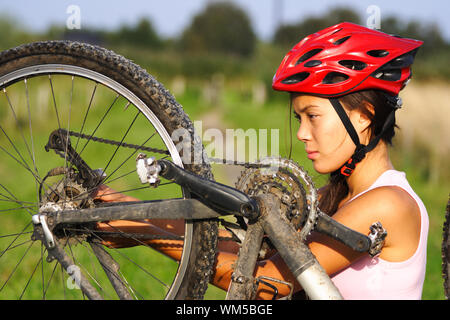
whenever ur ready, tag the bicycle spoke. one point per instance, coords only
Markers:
(14, 198)
(100, 122)
(18, 245)
(19, 126)
(129, 259)
(7, 200)
(86, 113)
(54, 101)
(6, 211)
(132, 154)
(14, 240)
(14, 234)
(120, 177)
(85, 270)
(68, 128)
(24, 163)
(32, 274)
(31, 137)
(50, 279)
(121, 141)
(25, 167)
(16, 266)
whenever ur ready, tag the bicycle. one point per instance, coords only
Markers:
(446, 251)
(58, 139)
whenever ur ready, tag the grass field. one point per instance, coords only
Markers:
(232, 105)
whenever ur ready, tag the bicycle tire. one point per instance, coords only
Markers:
(199, 260)
(446, 252)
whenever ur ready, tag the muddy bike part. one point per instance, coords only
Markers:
(263, 214)
(281, 231)
(61, 85)
(446, 252)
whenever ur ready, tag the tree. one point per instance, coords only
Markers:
(142, 35)
(13, 34)
(222, 27)
(434, 41)
(288, 35)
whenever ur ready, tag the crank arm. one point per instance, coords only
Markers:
(217, 196)
(351, 238)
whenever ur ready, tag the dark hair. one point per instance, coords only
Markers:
(374, 105)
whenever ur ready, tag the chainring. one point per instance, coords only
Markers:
(289, 182)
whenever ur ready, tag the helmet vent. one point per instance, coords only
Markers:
(336, 31)
(312, 63)
(296, 78)
(334, 77)
(402, 61)
(308, 55)
(388, 75)
(378, 53)
(353, 64)
(341, 40)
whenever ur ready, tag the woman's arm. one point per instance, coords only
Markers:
(392, 206)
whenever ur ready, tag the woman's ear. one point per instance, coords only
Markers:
(362, 120)
(365, 119)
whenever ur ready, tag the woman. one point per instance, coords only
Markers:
(344, 83)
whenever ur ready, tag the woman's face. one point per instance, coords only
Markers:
(327, 142)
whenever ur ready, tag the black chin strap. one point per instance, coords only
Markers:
(360, 152)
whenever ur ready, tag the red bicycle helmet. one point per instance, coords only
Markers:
(363, 58)
(347, 58)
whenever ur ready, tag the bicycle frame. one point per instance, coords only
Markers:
(212, 200)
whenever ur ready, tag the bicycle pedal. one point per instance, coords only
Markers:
(148, 170)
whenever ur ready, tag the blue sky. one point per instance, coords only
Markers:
(171, 16)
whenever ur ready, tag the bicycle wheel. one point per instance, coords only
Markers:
(446, 252)
(88, 93)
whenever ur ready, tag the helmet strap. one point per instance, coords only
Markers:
(360, 152)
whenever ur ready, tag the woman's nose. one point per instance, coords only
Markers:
(303, 133)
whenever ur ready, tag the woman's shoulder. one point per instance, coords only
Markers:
(390, 203)
(389, 197)
(396, 210)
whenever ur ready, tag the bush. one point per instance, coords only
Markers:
(222, 28)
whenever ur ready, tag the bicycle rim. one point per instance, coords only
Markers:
(38, 99)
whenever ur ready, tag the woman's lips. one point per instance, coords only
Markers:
(312, 154)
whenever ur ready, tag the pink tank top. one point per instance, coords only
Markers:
(374, 278)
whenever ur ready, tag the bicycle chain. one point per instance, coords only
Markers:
(257, 184)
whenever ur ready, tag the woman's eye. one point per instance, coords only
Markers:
(312, 116)
(297, 117)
